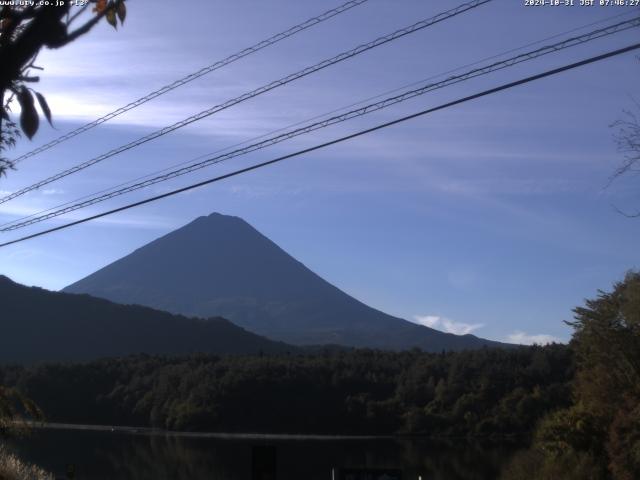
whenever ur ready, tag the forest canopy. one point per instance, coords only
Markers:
(472, 393)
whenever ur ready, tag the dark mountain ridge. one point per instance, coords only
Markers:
(220, 265)
(40, 325)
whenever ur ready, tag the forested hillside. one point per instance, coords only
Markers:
(474, 393)
(39, 325)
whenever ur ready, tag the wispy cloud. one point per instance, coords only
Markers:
(512, 186)
(430, 321)
(523, 338)
(132, 221)
(446, 324)
(258, 191)
(53, 191)
(23, 254)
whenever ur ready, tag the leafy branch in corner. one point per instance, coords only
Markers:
(24, 31)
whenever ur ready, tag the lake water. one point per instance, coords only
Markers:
(105, 455)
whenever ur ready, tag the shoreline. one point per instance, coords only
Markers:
(221, 435)
(148, 431)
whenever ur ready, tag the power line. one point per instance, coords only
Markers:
(192, 76)
(316, 117)
(545, 50)
(484, 93)
(265, 88)
(330, 121)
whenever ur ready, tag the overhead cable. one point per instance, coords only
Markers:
(265, 88)
(192, 76)
(323, 115)
(484, 93)
(372, 107)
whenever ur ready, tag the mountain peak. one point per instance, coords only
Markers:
(217, 216)
(216, 219)
(219, 265)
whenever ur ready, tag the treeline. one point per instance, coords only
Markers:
(486, 392)
(598, 436)
(578, 404)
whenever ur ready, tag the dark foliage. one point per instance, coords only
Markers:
(599, 433)
(25, 29)
(39, 325)
(487, 392)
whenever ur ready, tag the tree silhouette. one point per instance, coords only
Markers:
(627, 138)
(599, 435)
(24, 31)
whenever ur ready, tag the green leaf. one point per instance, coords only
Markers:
(44, 106)
(29, 121)
(111, 18)
(122, 11)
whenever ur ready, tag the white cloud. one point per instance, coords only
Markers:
(430, 321)
(523, 338)
(446, 325)
(53, 191)
(18, 210)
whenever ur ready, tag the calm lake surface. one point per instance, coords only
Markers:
(102, 455)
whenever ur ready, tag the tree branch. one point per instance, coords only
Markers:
(91, 23)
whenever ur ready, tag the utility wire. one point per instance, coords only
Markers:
(599, 33)
(192, 76)
(265, 88)
(459, 101)
(316, 117)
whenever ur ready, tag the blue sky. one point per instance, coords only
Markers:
(491, 217)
